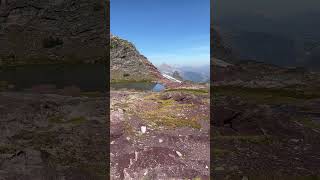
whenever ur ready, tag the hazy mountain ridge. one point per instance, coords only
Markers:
(191, 73)
(285, 41)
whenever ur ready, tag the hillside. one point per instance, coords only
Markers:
(127, 64)
(51, 31)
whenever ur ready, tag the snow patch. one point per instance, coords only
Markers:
(171, 78)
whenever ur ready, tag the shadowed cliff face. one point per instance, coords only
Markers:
(127, 64)
(34, 31)
(218, 48)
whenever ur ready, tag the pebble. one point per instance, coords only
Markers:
(143, 129)
(294, 140)
(160, 140)
(245, 178)
(145, 173)
(233, 168)
(179, 153)
(219, 169)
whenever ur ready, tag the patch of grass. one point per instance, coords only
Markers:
(307, 122)
(174, 122)
(7, 149)
(128, 129)
(116, 81)
(51, 42)
(60, 119)
(247, 139)
(3, 85)
(193, 91)
(265, 95)
(98, 170)
(282, 177)
(220, 152)
(77, 120)
(166, 115)
(56, 119)
(196, 178)
(113, 45)
(92, 94)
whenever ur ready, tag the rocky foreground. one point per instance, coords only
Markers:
(266, 123)
(52, 137)
(160, 135)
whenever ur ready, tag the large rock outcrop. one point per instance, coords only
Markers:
(46, 31)
(127, 64)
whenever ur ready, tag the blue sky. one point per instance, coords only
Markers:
(165, 31)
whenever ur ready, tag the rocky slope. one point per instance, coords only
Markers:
(127, 64)
(37, 31)
(155, 135)
(52, 137)
(266, 122)
(176, 142)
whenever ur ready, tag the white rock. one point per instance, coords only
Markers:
(112, 142)
(219, 169)
(143, 129)
(245, 178)
(136, 156)
(145, 173)
(160, 140)
(207, 167)
(179, 153)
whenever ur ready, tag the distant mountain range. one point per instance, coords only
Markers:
(191, 73)
(287, 41)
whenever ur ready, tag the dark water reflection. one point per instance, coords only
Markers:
(142, 86)
(87, 77)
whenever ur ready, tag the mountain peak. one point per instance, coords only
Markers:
(127, 64)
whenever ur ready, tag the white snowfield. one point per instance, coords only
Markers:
(219, 62)
(171, 78)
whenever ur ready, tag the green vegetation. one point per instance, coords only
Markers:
(115, 81)
(193, 91)
(247, 139)
(7, 149)
(307, 122)
(92, 94)
(77, 120)
(60, 119)
(265, 95)
(56, 119)
(34, 61)
(165, 115)
(3, 85)
(113, 45)
(220, 152)
(97, 6)
(51, 42)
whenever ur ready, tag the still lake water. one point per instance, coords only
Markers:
(142, 86)
(87, 77)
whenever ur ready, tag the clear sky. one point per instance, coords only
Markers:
(165, 31)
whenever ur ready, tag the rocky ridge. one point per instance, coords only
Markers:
(127, 64)
(52, 31)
